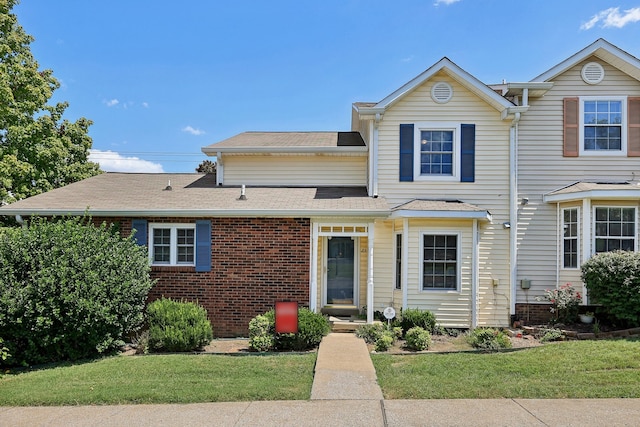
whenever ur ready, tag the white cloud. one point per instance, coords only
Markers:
(193, 131)
(145, 104)
(445, 2)
(408, 58)
(612, 18)
(112, 102)
(111, 161)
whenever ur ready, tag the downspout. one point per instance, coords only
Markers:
(370, 299)
(558, 243)
(374, 148)
(513, 211)
(405, 263)
(20, 220)
(219, 169)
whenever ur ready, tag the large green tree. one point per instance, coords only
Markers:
(39, 150)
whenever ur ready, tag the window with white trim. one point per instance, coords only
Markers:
(398, 261)
(570, 242)
(614, 229)
(172, 244)
(437, 148)
(440, 262)
(603, 127)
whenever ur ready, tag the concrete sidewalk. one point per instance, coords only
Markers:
(344, 393)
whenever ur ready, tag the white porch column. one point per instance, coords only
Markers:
(475, 282)
(370, 236)
(405, 263)
(313, 283)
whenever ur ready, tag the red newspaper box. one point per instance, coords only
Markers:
(286, 317)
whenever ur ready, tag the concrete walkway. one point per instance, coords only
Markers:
(344, 393)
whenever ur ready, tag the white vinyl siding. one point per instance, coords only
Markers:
(489, 191)
(543, 168)
(295, 170)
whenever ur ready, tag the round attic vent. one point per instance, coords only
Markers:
(592, 73)
(441, 92)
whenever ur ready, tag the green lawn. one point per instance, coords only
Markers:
(574, 369)
(163, 379)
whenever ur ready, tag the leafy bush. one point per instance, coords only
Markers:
(412, 317)
(69, 290)
(552, 334)
(385, 341)
(488, 339)
(418, 339)
(370, 332)
(564, 302)
(613, 281)
(311, 328)
(177, 326)
(4, 351)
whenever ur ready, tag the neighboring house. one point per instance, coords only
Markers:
(447, 195)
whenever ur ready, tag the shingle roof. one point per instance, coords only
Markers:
(288, 142)
(424, 208)
(193, 195)
(602, 190)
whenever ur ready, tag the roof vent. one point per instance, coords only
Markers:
(168, 187)
(441, 92)
(592, 73)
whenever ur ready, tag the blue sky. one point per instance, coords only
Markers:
(161, 79)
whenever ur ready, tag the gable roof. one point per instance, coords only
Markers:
(289, 142)
(451, 69)
(193, 195)
(602, 49)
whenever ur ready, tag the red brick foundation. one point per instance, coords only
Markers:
(254, 263)
(533, 314)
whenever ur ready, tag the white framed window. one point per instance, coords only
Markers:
(570, 238)
(440, 267)
(398, 265)
(603, 125)
(172, 244)
(614, 228)
(437, 151)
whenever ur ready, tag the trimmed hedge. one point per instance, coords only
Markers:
(69, 290)
(177, 326)
(613, 281)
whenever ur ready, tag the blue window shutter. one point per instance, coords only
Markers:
(467, 153)
(203, 245)
(140, 227)
(406, 152)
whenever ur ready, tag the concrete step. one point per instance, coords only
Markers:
(345, 324)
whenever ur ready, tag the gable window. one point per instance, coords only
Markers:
(172, 244)
(398, 261)
(570, 238)
(437, 151)
(439, 262)
(615, 229)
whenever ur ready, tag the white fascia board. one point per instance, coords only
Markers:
(456, 72)
(212, 151)
(601, 44)
(481, 215)
(593, 194)
(217, 213)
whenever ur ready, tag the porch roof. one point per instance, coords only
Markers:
(424, 208)
(594, 190)
(194, 195)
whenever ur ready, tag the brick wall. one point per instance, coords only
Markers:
(254, 263)
(533, 314)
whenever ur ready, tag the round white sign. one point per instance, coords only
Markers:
(389, 313)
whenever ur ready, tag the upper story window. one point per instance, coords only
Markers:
(172, 244)
(614, 229)
(437, 148)
(602, 122)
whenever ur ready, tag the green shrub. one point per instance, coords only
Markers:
(312, 327)
(4, 351)
(69, 290)
(370, 332)
(412, 317)
(261, 333)
(418, 339)
(177, 326)
(613, 281)
(489, 339)
(551, 334)
(385, 341)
